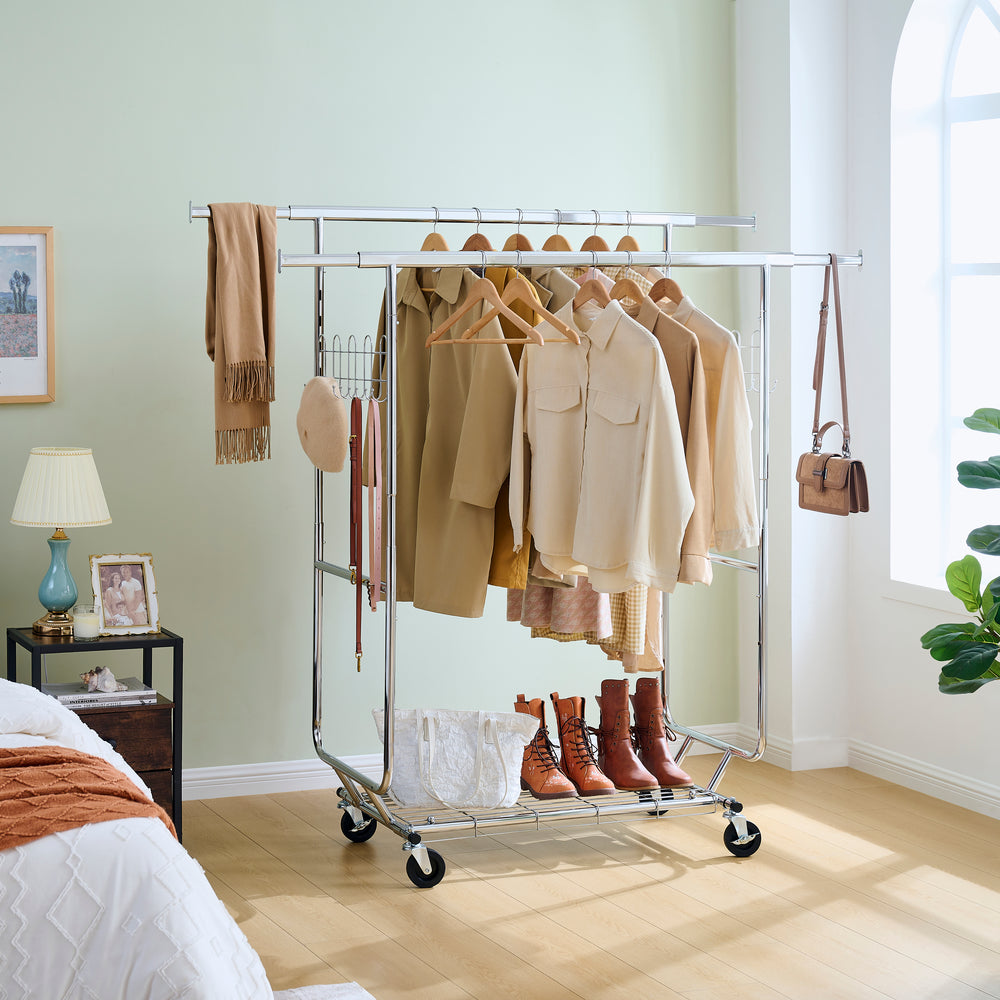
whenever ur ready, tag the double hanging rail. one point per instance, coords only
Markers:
(364, 796)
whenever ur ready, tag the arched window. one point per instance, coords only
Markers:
(945, 279)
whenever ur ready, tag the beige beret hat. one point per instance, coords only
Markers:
(323, 423)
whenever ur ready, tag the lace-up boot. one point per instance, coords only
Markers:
(540, 772)
(650, 734)
(576, 758)
(615, 755)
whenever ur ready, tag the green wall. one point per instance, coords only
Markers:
(120, 113)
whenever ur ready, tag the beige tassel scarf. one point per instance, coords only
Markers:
(239, 327)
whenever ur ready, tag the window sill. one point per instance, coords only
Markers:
(925, 597)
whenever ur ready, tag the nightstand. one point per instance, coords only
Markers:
(147, 736)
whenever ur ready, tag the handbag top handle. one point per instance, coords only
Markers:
(824, 310)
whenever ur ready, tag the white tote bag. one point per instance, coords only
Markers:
(462, 759)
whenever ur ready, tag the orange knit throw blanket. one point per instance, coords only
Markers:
(45, 789)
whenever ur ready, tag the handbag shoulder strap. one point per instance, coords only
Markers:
(830, 270)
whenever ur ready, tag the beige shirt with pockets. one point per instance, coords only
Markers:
(608, 486)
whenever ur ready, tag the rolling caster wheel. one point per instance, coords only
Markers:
(357, 835)
(730, 835)
(417, 875)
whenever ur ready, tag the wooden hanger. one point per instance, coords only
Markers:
(666, 288)
(591, 289)
(626, 288)
(483, 290)
(519, 289)
(477, 241)
(595, 242)
(627, 243)
(557, 242)
(517, 242)
(434, 241)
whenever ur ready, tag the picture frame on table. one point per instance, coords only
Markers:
(27, 323)
(125, 593)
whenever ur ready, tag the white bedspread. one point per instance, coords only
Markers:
(110, 911)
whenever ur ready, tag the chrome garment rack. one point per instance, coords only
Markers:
(367, 801)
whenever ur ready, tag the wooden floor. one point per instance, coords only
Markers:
(861, 890)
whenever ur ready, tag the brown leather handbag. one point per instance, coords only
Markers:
(828, 482)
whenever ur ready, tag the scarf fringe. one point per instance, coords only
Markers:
(249, 381)
(242, 444)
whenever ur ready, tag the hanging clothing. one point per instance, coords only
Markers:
(608, 493)
(560, 286)
(455, 407)
(687, 376)
(637, 639)
(729, 428)
(509, 568)
(566, 614)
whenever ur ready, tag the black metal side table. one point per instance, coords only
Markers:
(40, 645)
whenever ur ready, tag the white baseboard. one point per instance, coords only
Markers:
(306, 775)
(979, 796)
(269, 778)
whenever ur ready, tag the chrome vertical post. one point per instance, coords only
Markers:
(763, 441)
(390, 525)
(318, 531)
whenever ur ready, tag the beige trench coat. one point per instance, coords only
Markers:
(454, 421)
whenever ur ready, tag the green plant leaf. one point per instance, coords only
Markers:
(964, 577)
(949, 685)
(980, 475)
(942, 635)
(973, 660)
(994, 588)
(989, 600)
(985, 539)
(985, 419)
(948, 652)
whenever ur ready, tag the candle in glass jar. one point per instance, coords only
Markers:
(86, 623)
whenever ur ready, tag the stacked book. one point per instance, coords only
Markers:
(76, 695)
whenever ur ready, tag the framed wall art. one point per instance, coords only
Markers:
(125, 594)
(27, 326)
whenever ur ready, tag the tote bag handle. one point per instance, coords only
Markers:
(428, 723)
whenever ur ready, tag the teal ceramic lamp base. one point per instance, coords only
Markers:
(57, 591)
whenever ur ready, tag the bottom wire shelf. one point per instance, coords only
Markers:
(443, 822)
(364, 811)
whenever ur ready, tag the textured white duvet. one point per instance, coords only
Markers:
(110, 911)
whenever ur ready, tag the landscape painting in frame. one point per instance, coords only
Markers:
(27, 330)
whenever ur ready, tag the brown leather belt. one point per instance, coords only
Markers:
(356, 520)
(374, 582)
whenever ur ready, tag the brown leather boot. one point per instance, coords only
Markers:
(540, 772)
(577, 759)
(615, 755)
(651, 734)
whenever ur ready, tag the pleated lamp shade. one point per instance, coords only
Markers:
(60, 489)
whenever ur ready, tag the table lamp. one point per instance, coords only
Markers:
(60, 489)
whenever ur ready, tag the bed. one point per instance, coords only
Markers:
(115, 910)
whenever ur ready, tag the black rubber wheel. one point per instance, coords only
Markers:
(416, 873)
(359, 836)
(742, 850)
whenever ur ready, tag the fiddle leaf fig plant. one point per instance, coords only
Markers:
(968, 651)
